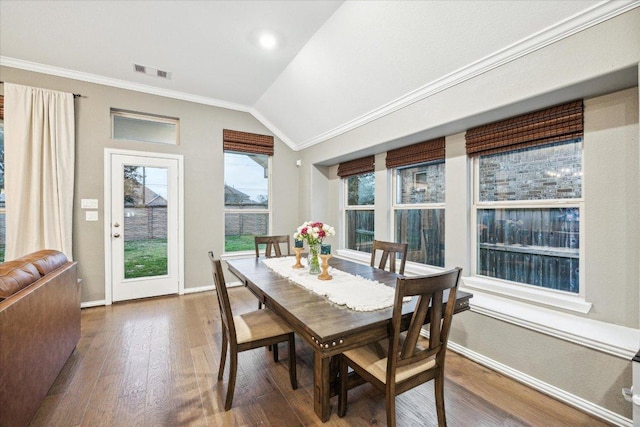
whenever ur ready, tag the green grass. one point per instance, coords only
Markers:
(239, 243)
(145, 258)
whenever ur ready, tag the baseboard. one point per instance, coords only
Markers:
(548, 389)
(89, 304)
(199, 289)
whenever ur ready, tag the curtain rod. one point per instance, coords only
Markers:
(75, 95)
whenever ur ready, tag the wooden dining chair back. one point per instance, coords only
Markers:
(390, 252)
(272, 248)
(248, 331)
(272, 243)
(406, 359)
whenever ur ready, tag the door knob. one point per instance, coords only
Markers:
(116, 235)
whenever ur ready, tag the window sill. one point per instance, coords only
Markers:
(237, 255)
(606, 337)
(355, 256)
(411, 268)
(612, 339)
(511, 292)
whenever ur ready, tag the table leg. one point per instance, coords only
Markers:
(321, 386)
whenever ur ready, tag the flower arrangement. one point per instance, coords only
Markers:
(313, 232)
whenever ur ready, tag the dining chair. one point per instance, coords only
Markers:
(272, 242)
(406, 359)
(390, 251)
(248, 331)
(272, 248)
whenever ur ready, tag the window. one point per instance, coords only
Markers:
(144, 127)
(418, 211)
(247, 178)
(418, 199)
(528, 198)
(528, 215)
(359, 212)
(359, 200)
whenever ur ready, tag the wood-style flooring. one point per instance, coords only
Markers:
(154, 362)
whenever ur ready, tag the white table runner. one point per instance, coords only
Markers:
(356, 292)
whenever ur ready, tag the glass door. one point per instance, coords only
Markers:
(144, 232)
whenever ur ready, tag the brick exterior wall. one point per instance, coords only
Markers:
(554, 172)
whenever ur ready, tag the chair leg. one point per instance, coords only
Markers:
(390, 400)
(233, 370)
(439, 392)
(293, 376)
(342, 385)
(223, 356)
(259, 305)
(274, 347)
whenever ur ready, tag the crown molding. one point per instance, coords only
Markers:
(273, 128)
(94, 78)
(588, 18)
(107, 81)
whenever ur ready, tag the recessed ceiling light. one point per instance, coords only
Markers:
(268, 41)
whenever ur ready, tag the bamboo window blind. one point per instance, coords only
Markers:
(421, 152)
(245, 142)
(554, 124)
(356, 167)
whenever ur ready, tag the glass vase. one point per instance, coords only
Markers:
(314, 259)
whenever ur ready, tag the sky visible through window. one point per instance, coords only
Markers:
(241, 173)
(244, 174)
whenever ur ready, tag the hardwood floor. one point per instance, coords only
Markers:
(154, 362)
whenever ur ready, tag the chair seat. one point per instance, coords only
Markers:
(259, 324)
(406, 357)
(373, 358)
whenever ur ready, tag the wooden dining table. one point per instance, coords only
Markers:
(328, 328)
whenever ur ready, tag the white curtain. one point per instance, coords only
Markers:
(39, 144)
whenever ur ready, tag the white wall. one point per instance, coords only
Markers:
(566, 70)
(201, 145)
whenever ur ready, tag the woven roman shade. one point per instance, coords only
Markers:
(421, 152)
(554, 124)
(356, 167)
(245, 142)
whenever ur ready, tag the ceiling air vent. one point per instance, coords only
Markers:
(150, 71)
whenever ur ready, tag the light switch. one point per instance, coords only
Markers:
(91, 215)
(89, 203)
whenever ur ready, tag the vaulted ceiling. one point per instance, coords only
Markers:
(338, 64)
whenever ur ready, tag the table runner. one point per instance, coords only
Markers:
(356, 292)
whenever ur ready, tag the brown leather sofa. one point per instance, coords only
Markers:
(39, 329)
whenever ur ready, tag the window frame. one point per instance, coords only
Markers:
(115, 112)
(517, 290)
(395, 206)
(348, 207)
(268, 211)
